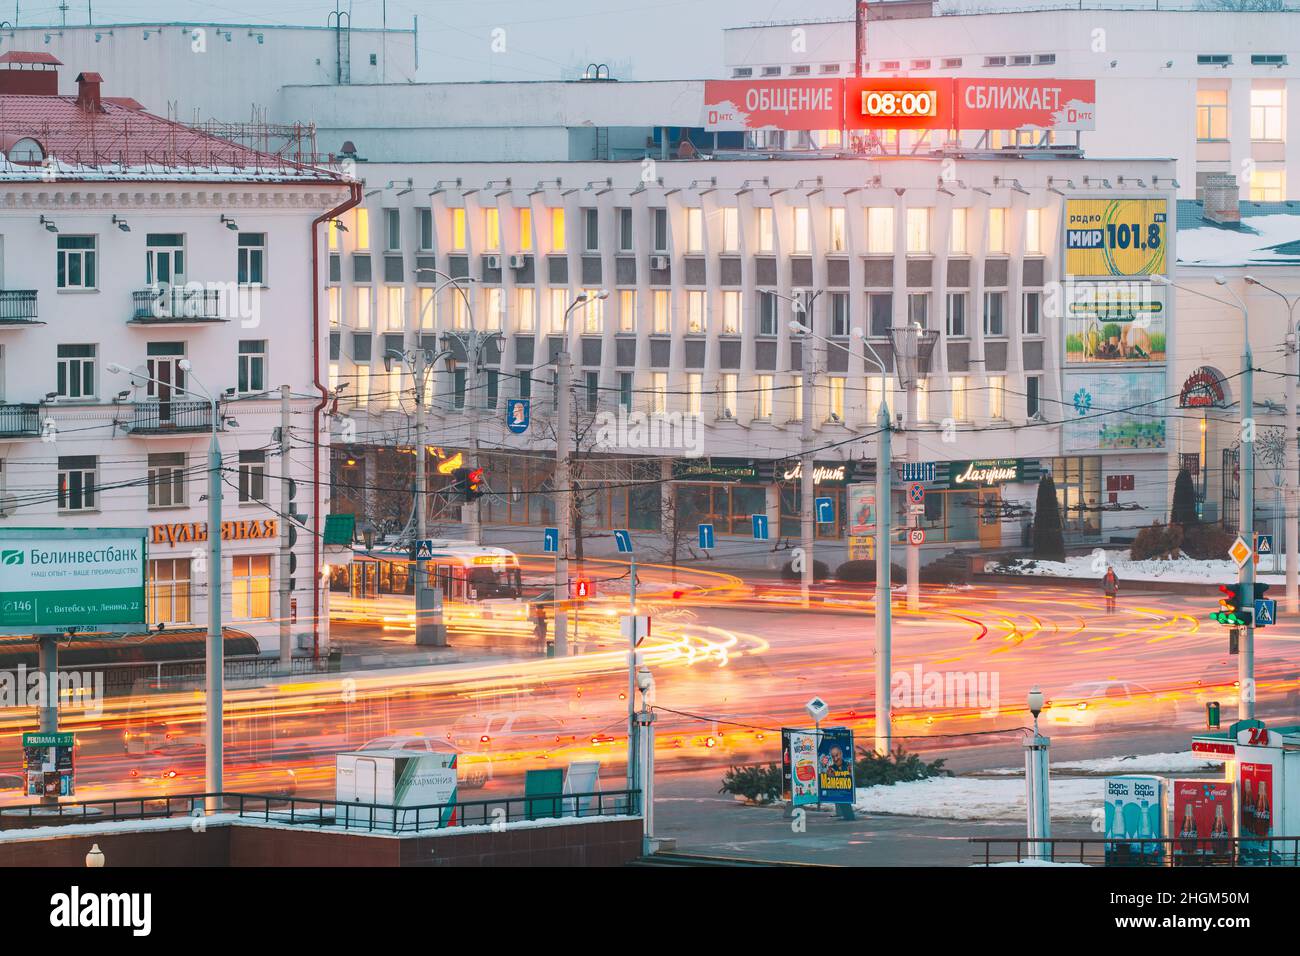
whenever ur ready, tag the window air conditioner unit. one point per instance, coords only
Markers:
(493, 262)
(659, 263)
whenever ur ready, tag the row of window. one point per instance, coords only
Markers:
(879, 225)
(1267, 115)
(167, 480)
(77, 260)
(700, 317)
(995, 60)
(169, 598)
(76, 371)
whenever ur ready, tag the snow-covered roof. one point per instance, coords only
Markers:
(1268, 234)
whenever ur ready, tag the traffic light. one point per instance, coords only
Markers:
(1261, 590)
(467, 483)
(1234, 609)
(583, 588)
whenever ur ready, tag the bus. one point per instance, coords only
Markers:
(477, 581)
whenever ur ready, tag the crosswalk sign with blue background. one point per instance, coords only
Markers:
(1263, 544)
(424, 548)
(550, 540)
(706, 537)
(760, 527)
(624, 541)
(1265, 611)
(824, 509)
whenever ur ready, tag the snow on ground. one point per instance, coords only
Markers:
(1184, 762)
(970, 798)
(1181, 570)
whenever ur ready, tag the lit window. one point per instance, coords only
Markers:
(835, 397)
(997, 229)
(730, 312)
(802, 232)
(796, 398)
(396, 307)
(662, 317)
(361, 393)
(559, 303)
(559, 241)
(694, 392)
(334, 232)
(997, 396)
(1034, 231)
(593, 312)
(492, 229)
(1268, 185)
(659, 393)
(363, 307)
(957, 241)
(525, 310)
(458, 239)
(695, 311)
(1266, 117)
(880, 230)
(1211, 115)
(957, 392)
(362, 227)
(764, 397)
(627, 310)
(765, 239)
(250, 587)
(694, 229)
(918, 230)
(428, 308)
(168, 596)
(838, 237)
(525, 229)
(727, 390)
(495, 306)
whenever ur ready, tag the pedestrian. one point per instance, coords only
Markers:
(539, 627)
(1110, 587)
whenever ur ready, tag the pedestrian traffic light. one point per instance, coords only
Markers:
(1234, 610)
(583, 588)
(1261, 590)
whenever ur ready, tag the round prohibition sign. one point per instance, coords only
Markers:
(916, 493)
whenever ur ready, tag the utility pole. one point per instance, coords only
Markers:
(429, 629)
(286, 519)
(1246, 573)
(807, 528)
(471, 507)
(564, 494)
(884, 571)
(912, 348)
(216, 657)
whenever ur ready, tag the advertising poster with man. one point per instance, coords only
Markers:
(1202, 815)
(835, 765)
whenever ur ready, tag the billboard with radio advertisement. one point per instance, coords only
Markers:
(1110, 322)
(772, 104)
(1025, 103)
(1115, 237)
(898, 103)
(52, 578)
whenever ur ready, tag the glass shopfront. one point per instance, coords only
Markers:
(1078, 491)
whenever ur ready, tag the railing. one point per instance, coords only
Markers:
(167, 417)
(17, 305)
(18, 420)
(1163, 852)
(358, 817)
(178, 303)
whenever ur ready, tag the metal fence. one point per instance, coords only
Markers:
(353, 817)
(170, 416)
(17, 305)
(20, 419)
(178, 304)
(1147, 853)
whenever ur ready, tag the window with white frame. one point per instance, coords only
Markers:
(730, 229)
(1267, 185)
(838, 239)
(1034, 232)
(662, 318)
(1031, 313)
(625, 391)
(767, 313)
(559, 303)
(392, 229)
(251, 376)
(492, 229)
(76, 258)
(658, 393)
(763, 396)
(694, 229)
(593, 312)
(922, 399)
(78, 478)
(696, 321)
(956, 314)
(766, 238)
(728, 387)
(997, 229)
(627, 310)
(395, 307)
(252, 476)
(625, 230)
(75, 373)
(252, 258)
(694, 392)
(166, 479)
(459, 233)
(880, 312)
(957, 395)
(591, 230)
(1033, 395)
(425, 218)
(880, 230)
(731, 312)
(659, 228)
(1211, 115)
(958, 239)
(250, 587)
(840, 319)
(918, 230)
(835, 398)
(168, 594)
(525, 309)
(995, 304)
(918, 309)
(802, 232)
(1267, 119)
(997, 396)
(365, 300)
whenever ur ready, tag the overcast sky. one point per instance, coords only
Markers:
(642, 39)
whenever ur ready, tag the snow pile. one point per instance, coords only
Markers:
(968, 798)
(1179, 570)
(1183, 762)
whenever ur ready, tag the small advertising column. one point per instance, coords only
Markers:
(1268, 770)
(47, 763)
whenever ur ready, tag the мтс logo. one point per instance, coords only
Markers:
(12, 557)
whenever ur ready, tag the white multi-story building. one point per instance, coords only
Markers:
(1214, 90)
(147, 267)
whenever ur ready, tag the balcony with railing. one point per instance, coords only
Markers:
(179, 305)
(18, 307)
(19, 421)
(168, 418)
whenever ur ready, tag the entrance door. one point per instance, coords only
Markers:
(166, 377)
(990, 509)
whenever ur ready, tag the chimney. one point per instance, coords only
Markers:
(23, 73)
(1222, 202)
(88, 99)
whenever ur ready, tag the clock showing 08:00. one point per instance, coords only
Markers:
(899, 103)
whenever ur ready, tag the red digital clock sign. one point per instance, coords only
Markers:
(896, 103)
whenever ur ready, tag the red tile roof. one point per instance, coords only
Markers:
(26, 56)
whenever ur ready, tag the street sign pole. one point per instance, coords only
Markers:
(49, 662)
(883, 573)
(1246, 573)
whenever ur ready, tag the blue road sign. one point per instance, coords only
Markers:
(824, 509)
(1265, 611)
(918, 470)
(760, 527)
(624, 541)
(517, 415)
(424, 548)
(1263, 544)
(550, 540)
(706, 537)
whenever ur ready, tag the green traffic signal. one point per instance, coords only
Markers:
(1233, 610)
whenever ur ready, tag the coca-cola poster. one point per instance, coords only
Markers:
(1202, 820)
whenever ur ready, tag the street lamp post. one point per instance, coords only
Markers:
(563, 441)
(884, 570)
(1290, 465)
(912, 348)
(215, 650)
